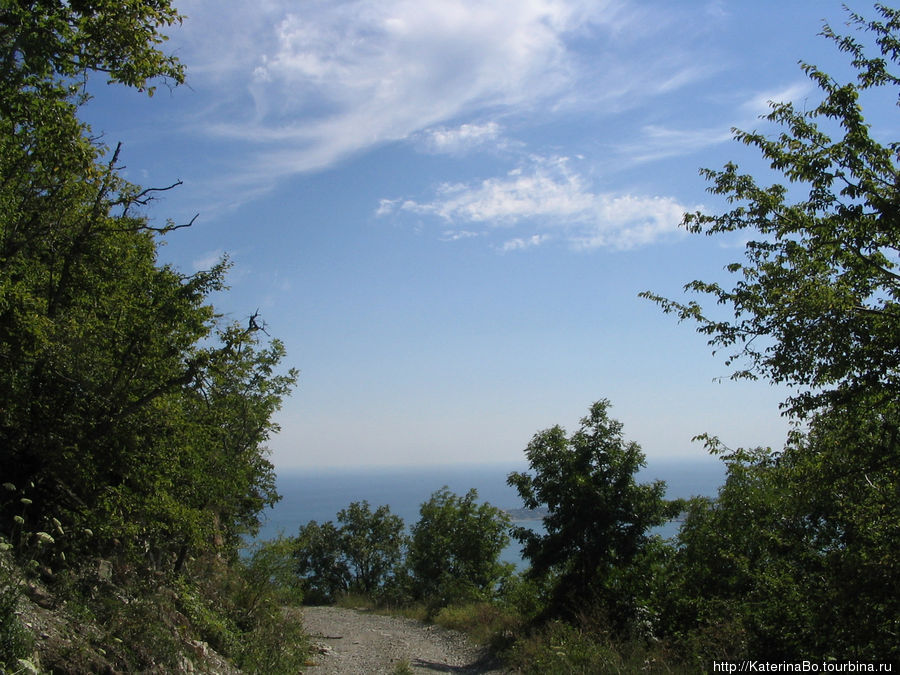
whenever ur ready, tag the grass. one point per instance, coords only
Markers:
(484, 623)
(402, 668)
(546, 649)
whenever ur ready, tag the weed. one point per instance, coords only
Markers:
(355, 601)
(15, 639)
(484, 622)
(402, 668)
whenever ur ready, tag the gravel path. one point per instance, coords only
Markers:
(351, 641)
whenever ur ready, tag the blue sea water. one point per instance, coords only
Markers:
(318, 494)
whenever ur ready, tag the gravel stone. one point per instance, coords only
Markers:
(348, 641)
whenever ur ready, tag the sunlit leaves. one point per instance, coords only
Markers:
(137, 413)
(815, 306)
(455, 547)
(596, 529)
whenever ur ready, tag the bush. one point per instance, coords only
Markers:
(564, 649)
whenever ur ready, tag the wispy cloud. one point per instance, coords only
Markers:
(655, 141)
(456, 235)
(519, 243)
(658, 142)
(553, 200)
(460, 139)
(760, 103)
(298, 90)
(207, 260)
(334, 78)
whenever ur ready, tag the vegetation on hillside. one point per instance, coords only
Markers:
(133, 419)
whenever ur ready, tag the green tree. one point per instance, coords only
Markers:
(372, 542)
(596, 529)
(134, 412)
(732, 589)
(320, 563)
(43, 41)
(842, 488)
(455, 547)
(133, 419)
(816, 303)
(360, 556)
(797, 557)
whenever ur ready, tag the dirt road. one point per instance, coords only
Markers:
(349, 641)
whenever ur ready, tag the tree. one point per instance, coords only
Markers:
(842, 482)
(320, 563)
(454, 551)
(360, 556)
(817, 305)
(734, 587)
(133, 418)
(372, 543)
(127, 408)
(46, 44)
(797, 557)
(598, 518)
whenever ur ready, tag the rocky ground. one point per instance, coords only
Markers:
(350, 641)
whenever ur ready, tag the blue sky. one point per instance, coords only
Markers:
(446, 208)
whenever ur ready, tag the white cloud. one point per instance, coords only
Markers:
(519, 243)
(760, 103)
(299, 89)
(456, 235)
(207, 260)
(386, 206)
(457, 140)
(548, 195)
(338, 77)
(547, 189)
(659, 142)
(629, 221)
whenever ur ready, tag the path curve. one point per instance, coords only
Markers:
(348, 641)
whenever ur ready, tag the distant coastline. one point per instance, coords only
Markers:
(523, 515)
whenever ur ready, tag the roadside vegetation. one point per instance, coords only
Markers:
(133, 417)
(133, 421)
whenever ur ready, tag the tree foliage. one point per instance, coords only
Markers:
(451, 556)
(360, 556)
(797, 557)
(133, 418)
(598, 518)
(455, 547)
(817, 302)
(319, 562)
(373, 543)
(45, 41)
(132, 411)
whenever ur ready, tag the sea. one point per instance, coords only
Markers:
(318, 494)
